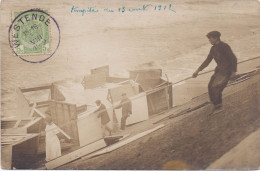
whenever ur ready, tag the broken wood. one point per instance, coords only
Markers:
(46, 102)
(21, 130)
(103, 69)
(64, 133)
(168, 116)
(64, 116)
(188, 110)
(32, 111)
(75, 154)
(61, 131)
(56, 94)
(17, 123)
(40, 113)
(239, 81)
(47, 86)
(23, 109)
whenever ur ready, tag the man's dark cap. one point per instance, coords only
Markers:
(214, 34)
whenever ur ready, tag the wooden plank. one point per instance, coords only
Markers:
(5, 143)
(82, 108)
(6, 157)
(38, 104)
(75, 154)
(167, 97)
(116, 79)
(64, 119)
(32, 111)
(23, 108)
(7, 134)
(56, 94)
(64, 133)
(74, 116)
(159, 100)
(17, 123)
(66, 112)
(43, 87)
(94, 80)
(74, 129)
(103, 69)
(239, 81)
(60, 121)
(151, 107)
(182, 112)
(34, 122)
(89, 128)
(8, 124)
(22, 130)
(36, 127)
(123, 142)
(40, 113)
(30, 136)
(170, 94)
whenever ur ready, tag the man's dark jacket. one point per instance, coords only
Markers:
(102, 112)
(224, 57)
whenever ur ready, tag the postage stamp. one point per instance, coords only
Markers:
(32, 33)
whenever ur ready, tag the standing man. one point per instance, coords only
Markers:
(102, 112)
(126, 106)
(226, 68)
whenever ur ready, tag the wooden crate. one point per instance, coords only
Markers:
(19, 150)
(64, 115)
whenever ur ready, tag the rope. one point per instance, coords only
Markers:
(213, 70)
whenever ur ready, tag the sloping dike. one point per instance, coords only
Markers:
(193, 140)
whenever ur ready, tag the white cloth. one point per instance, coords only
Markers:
(53, 149)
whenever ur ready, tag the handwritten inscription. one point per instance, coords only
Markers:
(123, 9)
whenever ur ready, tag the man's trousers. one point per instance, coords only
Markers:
(216, 86)
(123, 120)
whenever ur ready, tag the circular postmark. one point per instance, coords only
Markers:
(34, 35)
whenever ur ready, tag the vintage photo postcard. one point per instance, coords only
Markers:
(130, 84)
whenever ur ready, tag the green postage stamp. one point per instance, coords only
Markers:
(31, 33)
